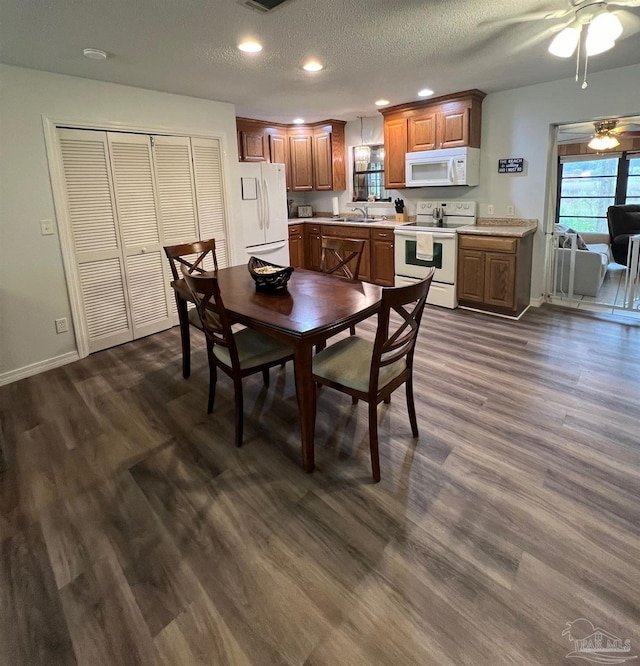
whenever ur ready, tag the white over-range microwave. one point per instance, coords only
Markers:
(443, 168)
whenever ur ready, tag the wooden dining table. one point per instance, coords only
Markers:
(312, 308)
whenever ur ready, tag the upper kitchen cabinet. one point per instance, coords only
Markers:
(253, 144)
(395, 147)
(314, 154)
(301, 160)
(329, 171)
(450, 121)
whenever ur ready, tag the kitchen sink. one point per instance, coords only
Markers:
(367, 220)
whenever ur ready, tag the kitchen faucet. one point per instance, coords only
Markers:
(364, 211)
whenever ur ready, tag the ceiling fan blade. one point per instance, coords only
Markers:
(624, 3)
(533, 16)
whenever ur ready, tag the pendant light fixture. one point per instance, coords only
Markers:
(604, 139)
(362, 153)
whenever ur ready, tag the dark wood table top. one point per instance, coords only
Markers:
(313, 304)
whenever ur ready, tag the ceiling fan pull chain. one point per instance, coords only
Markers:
(586, 64)
(578, 56)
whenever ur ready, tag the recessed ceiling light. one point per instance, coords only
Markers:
(250, 46)
(382, 102)
(298, 121)
(425, 92)
(312, 66)
(95, 54)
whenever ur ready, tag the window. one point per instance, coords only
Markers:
(633, 181)
(589, 184)
(368, 177)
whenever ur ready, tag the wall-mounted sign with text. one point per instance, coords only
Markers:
(511, 165)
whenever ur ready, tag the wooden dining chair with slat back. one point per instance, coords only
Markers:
(179, 255)
(341, 257)
(236, 354)
(371, 371)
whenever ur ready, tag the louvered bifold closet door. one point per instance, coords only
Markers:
(140, 232)
(207, 167)
(176, 198)
(91, 209)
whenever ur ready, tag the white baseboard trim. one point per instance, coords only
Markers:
(537, 302)
(37, 368)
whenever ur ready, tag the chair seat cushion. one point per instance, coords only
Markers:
(194, 318)
(254, 349)
(348, 362)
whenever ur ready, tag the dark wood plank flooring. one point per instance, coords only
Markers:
(132, 531)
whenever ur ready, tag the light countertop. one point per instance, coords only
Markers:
(384, 224)
(512, 227)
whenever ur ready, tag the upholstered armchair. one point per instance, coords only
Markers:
(624, 221)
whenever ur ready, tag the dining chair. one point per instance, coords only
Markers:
(237, 354)
(371, 371)
(337, 254)
(182, 255)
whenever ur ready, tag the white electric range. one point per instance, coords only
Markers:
(441, 220)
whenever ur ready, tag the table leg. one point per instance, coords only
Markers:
(183, 318)
(306, 402)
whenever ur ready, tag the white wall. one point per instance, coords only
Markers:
(515, 123)
(33, 290)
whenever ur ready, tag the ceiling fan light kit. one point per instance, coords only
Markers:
(602, 30)
(564, 43)
(604, 138)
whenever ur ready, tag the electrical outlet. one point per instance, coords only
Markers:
(46, 227)
(511, 211)
(61, 325)
(491, 209)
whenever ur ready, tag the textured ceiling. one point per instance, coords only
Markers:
(370, 48)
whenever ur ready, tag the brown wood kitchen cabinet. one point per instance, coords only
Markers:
(296, 246)
(449, 121)
(314, 154)
(382, 257)
(253, 142)
(313, 246)
(494, 272)
(301, 160)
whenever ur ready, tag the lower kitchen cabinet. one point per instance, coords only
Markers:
(377, 264)
(494, 273)
(382, 257)
(296, 246)
(313, 246)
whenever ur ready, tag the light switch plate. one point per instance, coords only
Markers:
(491, 209)
(511, 211)
(46, 227)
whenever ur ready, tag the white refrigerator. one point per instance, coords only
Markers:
(264, 211)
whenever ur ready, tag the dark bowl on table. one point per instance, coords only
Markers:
(267, 276)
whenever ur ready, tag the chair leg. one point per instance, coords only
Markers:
(354, 400)
(373, 440)
(411, 407)
(387, 400)
(185, 338)
(213, 380)
(352, 330)
(237, 386)
(265, 377)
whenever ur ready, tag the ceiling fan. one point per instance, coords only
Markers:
(606, 133)
(591, 19)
